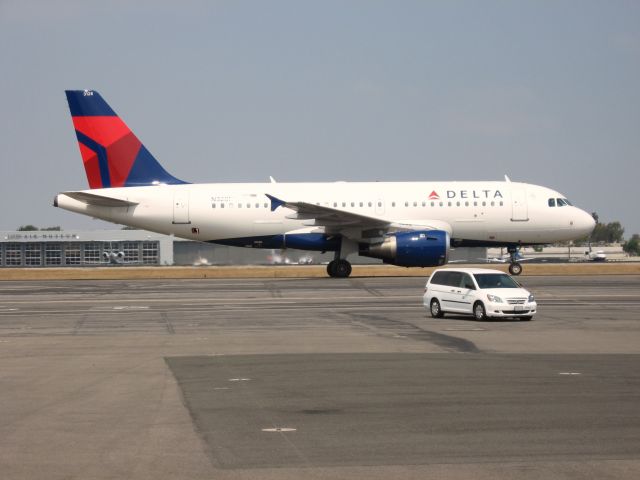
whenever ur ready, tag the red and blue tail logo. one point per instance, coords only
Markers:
(112, 155)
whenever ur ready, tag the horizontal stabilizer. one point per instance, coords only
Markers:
(99, 200)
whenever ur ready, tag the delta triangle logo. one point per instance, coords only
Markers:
(434, 196)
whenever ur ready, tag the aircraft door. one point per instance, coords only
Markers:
(519, 209)
(181, 207)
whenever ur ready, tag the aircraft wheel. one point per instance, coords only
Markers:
(331, 268)
(342, 269)
(515, 269)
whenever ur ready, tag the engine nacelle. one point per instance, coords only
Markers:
(428, 248)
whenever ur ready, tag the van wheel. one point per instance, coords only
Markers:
(479, 312)
(436, 311)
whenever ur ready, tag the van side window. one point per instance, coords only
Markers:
(454, 279)
(466, 282)
(439, 278)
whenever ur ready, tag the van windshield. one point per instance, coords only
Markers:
(495, 280)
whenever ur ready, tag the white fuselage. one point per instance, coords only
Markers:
(490, 212)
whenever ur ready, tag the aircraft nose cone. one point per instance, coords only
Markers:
(585, 223)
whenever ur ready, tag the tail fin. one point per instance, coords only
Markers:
(112, 155)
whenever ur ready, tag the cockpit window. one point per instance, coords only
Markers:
(562, 202)
(552, 202)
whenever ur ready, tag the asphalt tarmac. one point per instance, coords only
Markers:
(315, 378)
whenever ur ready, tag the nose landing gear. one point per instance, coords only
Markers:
(515, 268)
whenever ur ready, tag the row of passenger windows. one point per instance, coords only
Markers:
(370, 204)
(559, 202)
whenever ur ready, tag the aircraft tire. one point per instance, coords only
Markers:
(342, 269)
(331, 268)
(515, 269)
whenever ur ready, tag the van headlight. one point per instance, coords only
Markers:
(493, 298)
(531, 299)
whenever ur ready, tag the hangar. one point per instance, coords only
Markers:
(91, 248)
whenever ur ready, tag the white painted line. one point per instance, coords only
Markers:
(279, 429)
(131, 307)
(462, 329)
(239, 379)
(569, 373)
(221, 388)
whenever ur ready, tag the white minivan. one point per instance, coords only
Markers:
(479, 292)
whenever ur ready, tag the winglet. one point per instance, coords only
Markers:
(275, 202)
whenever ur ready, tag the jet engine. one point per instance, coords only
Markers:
(427, 248)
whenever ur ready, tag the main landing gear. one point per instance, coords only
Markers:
(339, 268)
(515, 268)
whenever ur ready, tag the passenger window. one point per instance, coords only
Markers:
(406, 204)
(454, 279)
(439, 278)
(213, 205)
(457, 204)
(361, 204)
(353, 204)
(370, 204)
(433, 204)
(379, 204)
(335, 204)
(552, 202)
(393, 204)
(467, 282)
(266, 205)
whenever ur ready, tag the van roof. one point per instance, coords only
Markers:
(470, 270)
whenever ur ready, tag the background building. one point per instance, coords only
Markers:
(90, 248)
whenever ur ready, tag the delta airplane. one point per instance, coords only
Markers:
(410, 224)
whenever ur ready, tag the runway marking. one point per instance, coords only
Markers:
(131, 307)
(463, 329)
(221, 388)
(239, 379)
(279, 429)
(569, 373)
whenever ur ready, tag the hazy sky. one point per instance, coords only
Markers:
(234, 91)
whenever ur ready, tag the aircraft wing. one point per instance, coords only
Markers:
(101, 200)
(352, 225)
(327, 216)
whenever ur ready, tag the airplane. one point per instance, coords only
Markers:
(409, 224)
(506, 258)
(597, 256)
(115, 258)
